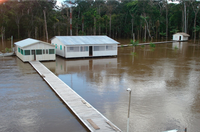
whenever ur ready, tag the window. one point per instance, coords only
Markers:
(18, 49)
(99, 48)
(60, 47)
(27, 52)
(72, 49)
(47, 51)
(111, 47)
(38, 52)
(56, 46)
(51, 51)
(43, 51)
(83, 48)
(22, 51)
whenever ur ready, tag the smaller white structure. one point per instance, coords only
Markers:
(84, 46)
(173, 1)
(32, 49)
(180, 36)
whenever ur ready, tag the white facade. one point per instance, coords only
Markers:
(84, 46)
(30, 49)
(180, 37)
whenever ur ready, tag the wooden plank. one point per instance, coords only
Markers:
(81, 108)
(93, 124)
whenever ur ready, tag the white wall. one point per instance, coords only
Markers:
(66, 54)
(41, 57)
(57, 42)
(176, 37)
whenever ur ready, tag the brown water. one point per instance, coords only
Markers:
(165, 84)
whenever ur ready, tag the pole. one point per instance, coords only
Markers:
(70, 18)
(129, 105)
(185, 17)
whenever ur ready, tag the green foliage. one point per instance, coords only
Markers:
(8, 50)
(196, 29)
(173, 31)
(162, 34)
(142, 46)
(134, 43)
(175, 47)
(28, 18)
(152, 45)
(133, 53)
(122, 45)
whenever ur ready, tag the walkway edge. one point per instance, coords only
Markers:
(74, 111)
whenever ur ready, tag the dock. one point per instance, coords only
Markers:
(125, 45)
(88, 115)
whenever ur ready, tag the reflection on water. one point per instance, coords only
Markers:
(164, 81)
(27, 104)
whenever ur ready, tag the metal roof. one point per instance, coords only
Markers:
(29, 41)
(84, 40)
(26, 42)
(182, 33)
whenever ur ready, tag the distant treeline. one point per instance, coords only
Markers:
(146, 19)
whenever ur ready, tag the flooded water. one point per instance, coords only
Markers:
(27, 103)
(165, 83)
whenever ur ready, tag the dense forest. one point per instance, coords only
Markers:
(143, 20)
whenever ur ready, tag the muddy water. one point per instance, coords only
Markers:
(165, 83)
(27, 104)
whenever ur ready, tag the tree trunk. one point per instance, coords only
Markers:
(2, 33)
(182, 21)
(110, 26)
(36, 30)
(185, 18)
(166, 21)
(145, 32)
(99, 22)
(29, 33)
(18, 30)
(45, 25)
(83, 24)
(195, 18)
(95, 25)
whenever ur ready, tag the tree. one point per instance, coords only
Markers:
(195, 6)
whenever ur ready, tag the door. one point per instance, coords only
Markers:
(179, 37)
(90, 51)
(33, 53)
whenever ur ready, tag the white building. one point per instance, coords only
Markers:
(84, 46)
(173, 1)
(31, 49)
(180, 36)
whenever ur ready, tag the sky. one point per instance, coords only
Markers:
(59, 2)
